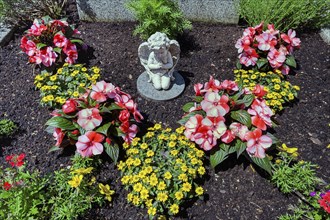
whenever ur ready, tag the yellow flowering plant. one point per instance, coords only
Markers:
(279, 92)
(66, 83)
(160, 170)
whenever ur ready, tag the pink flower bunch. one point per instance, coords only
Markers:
(227, 114)
(100, 117)
(268, 49)
(49, 41)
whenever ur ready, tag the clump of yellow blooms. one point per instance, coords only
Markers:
(66, 83)
(160, 170)
(279, 90)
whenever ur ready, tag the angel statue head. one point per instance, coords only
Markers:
(159, 55)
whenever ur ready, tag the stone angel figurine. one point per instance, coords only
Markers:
(159, 56)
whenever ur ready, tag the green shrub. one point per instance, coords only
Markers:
(18, 12)
(7, 127)
(285, 14)
(158, 15)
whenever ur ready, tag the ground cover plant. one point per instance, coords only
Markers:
(233, 190)
(285, 14)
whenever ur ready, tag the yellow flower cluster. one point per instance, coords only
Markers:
(65, 83)
(279, 91)
(78, 176)
(160, 170)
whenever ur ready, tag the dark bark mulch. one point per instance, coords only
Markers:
(233, 191)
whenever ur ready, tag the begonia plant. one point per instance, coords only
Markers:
(49, 41)
(97, 120)
(225, 118)
(267, 49)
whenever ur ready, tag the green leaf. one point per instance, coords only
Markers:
(60, 122)
(114, 106)
(54, 148)
(77, 41)
(241, 116)
(188, 106)
(58, 50)
(274, 139)
(199, 98)
(290, 61)
(238, 65)
(104, 128)
(247, 100)
(261, 62)
(41, 45)
(217, 157)
(112, 151)
(240, 147)
(263, 163)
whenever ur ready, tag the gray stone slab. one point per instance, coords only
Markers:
(325, 34)
(6, 33)
(148, 91)
(197, 10)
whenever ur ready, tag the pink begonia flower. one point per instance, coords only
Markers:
(58, 136)
(75, 31)
(136, 113)
(100, 90)
(228, 136)
(90, 144)
(266, 41)
(272, 30)
(243, 44)
(72, 56)
(70, 106)
(48, 56)
(257, 143)
(124, 100)
(36, 29)
(261, 114)
(285, 69)
(276, 58)
(60, 40)
(229, 85)
(28, 46)
(259, 91)
(214, 105)
(129, 131)
(204, 137)
(192, 125)
(249, 57)
(197, 88)
(283, 50)
(216, 124)
(239, 130)
(259, 27)
(291, 39)
(89, 118)
(59, 23)
(124, 115)
(249, 32)
(212, 85)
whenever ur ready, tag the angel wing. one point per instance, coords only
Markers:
(174, 49)
(143, 53)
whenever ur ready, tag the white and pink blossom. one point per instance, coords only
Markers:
(89, 118)
(90, 144)
(257, 143)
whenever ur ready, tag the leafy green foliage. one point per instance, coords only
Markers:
(7, 127)
(66, 194)
(158, 15)
(285, 14)
(290, 176)
(22, 12)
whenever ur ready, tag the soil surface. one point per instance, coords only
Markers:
(234, 190)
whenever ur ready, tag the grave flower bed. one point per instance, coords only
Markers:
(235, 189)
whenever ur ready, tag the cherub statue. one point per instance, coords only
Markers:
(159, 55)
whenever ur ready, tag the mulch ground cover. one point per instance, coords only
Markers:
(234, 190)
